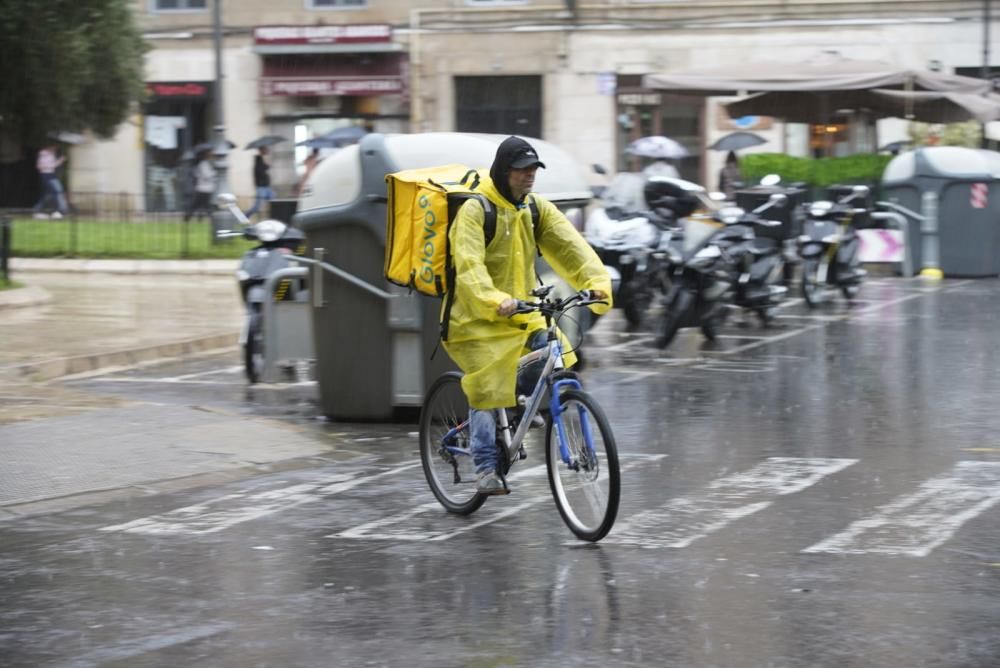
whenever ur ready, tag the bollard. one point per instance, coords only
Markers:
(931, 265)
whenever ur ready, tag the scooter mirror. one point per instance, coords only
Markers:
(860, 190)
(599, 169)
(225, 199)
(770, 180)
(717, 196)
(778, 199)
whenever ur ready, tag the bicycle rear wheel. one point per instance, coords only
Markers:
(444, 450)
(587, 489)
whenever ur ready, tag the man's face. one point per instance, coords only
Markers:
(522, 181)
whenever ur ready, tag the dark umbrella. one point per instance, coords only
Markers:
(736, 141)
(895, 146)
(266, 140)
(336, 138)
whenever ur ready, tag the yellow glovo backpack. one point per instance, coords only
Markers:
(422, 203)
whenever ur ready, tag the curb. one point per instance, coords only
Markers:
(83, 364)
(29, 295)
(188, 267)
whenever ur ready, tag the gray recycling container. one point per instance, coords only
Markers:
(373, 355)
(966, 183)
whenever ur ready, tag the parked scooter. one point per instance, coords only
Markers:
(628, 235)
(718, 266)
(828, 247)
(275, 242)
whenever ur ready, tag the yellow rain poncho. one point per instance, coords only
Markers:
(485, 345)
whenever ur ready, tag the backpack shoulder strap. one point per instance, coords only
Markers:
(489, 231)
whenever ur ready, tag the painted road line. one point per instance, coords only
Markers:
(915, 524)
(231, 509)
(681, 521)
(627, 344)
(403, 526)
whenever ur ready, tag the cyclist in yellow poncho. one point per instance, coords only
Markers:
(482, 339)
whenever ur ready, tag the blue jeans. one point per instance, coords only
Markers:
(263, 194)
(482, 423)
(52, 189)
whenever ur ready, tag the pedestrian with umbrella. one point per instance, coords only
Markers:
(263, 192)
(731, 176)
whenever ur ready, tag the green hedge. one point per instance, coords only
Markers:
(818, 173)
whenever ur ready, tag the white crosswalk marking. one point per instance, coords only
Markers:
(681, 521)
(218, 514)
(915, 524)
(405, 526)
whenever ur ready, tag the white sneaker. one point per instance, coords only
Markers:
(56, 215)
(40, 216)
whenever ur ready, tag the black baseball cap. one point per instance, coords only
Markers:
(526, 157)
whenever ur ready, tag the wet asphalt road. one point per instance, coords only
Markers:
(818, 494)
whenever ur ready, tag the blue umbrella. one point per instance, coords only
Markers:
(336, 138)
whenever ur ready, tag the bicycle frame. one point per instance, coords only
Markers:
(552, 353)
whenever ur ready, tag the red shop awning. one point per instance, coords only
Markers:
(334, 74)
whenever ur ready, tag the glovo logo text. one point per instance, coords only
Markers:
(427, 250)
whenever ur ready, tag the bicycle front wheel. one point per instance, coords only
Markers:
(444, 446)
(587, 488)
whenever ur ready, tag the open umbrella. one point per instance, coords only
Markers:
(736, 141)
(69, 137)
(658, 147)
(336, 138)
(208, 146)
(266, 140)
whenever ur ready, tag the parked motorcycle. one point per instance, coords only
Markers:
(718, 265)
(828, 247)
(630, 233)
(276, 241)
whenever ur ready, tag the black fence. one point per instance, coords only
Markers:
(109, 225)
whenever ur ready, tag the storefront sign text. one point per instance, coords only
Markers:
(337, 34)
(313, 87)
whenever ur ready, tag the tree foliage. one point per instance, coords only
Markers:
(68, 65)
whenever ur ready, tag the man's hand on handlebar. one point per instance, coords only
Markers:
(507, 307)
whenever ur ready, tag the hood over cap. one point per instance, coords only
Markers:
(513, 152)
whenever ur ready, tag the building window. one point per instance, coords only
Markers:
(335, 4)
(499, 105)
(179, 5)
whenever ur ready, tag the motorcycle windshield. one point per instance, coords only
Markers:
(817, 230)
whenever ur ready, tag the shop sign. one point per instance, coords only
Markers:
(332, 34)
(314, 87)
(181, 89)
(639, 99)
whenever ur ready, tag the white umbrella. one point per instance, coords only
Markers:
(657, 146)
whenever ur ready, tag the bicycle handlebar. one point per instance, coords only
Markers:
(581, 298)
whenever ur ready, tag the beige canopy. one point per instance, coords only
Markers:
(829, 73)
(824, 106)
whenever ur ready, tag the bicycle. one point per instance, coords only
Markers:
(581, 461)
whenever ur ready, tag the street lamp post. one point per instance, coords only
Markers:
(221, 149)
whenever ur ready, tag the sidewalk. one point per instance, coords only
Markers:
(75, 316)
(61, 447)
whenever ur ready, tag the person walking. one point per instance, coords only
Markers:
(309, 164)
(261, 181)
(730, 176)
(47, 163)
(204, 187)
(489, 280)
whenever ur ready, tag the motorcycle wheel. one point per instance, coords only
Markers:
(253, 352)
(812, 291)
(673, 314)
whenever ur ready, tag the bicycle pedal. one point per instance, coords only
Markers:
(521, 454)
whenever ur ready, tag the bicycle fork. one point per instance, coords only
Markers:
(557, 412)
